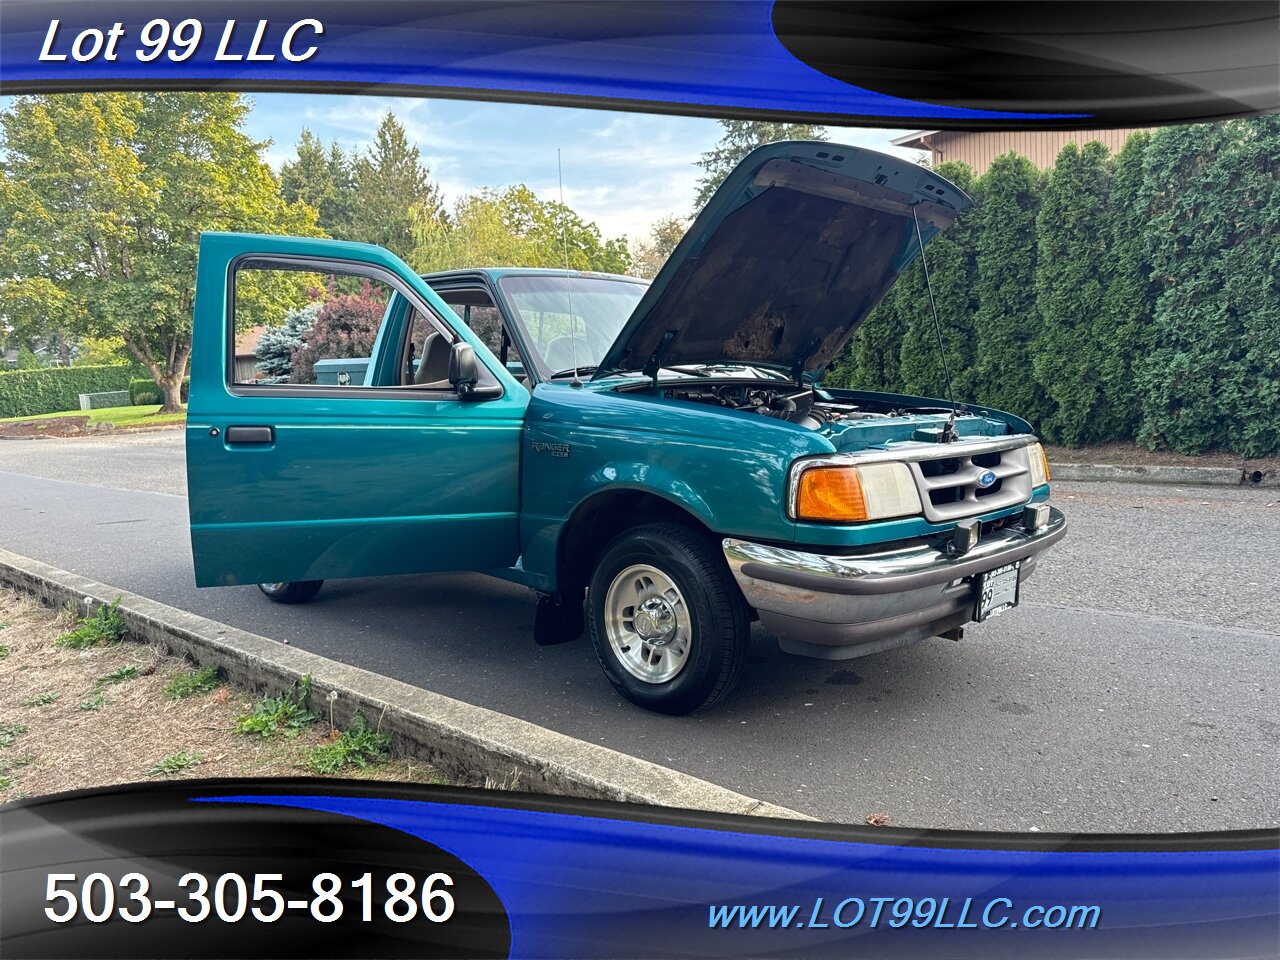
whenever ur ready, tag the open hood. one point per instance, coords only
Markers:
(793, 251)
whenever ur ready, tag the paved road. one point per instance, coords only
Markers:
(1134, 690)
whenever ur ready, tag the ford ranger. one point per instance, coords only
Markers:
(659, 461)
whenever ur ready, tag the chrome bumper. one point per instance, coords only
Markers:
(837, 607)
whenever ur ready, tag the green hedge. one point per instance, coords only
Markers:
(143, 391)
(29, 393)
(1126, 298)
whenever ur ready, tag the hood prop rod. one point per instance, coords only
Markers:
(949, 431)
(655, 359)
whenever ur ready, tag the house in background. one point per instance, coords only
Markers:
(247, 354)
(978, 148)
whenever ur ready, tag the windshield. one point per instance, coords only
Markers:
(566, 339)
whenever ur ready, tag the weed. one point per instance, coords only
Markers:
(285, 714)
(95, 701)
(42, 699)
(189, 684)
(357, 747)
(123, 675)
(6, 782)
(174, 763)
(4, 651)
(8, 766)
(10, 732)
(104, 628)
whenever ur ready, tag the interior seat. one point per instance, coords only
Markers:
(433, 370)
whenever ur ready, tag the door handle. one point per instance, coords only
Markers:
(251, 435)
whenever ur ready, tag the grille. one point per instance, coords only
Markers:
(949, 488)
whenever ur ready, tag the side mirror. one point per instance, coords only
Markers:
(464, 374)
(463, 371)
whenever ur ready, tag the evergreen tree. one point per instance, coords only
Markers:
(1006, 319)
(1071, 256)
(323, 179)
(1212, 192)
(1122, 329)
(951, 271)
(740, 137)
(869, 361)
(393, 189)
(274, 355)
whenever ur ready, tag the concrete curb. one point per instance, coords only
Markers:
(459, 739)
(1189, 476)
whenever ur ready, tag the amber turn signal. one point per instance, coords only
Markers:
(830, 493)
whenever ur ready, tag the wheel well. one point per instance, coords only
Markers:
(598, 520)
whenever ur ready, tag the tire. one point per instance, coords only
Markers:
(299, 592)
(630, 599)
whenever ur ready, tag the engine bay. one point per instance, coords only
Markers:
(849, 423)
(802, 406)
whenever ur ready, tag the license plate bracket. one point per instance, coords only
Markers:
(996, 591)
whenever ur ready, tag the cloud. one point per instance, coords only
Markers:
(622, 170)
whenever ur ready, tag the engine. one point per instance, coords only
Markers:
(790, 403)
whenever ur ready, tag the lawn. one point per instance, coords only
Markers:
(144, 416)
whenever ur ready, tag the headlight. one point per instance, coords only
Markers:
(1039, 465)
(846, 494)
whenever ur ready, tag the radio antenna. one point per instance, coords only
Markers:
(949, 432)
(568, 280)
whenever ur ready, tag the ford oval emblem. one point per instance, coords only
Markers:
(987, 479)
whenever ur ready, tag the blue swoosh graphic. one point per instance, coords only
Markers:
(594, 886)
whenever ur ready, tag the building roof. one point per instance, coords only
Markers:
(916, 139)
(247, 342)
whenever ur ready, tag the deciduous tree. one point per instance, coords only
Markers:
(513, 227)
(653, 251)
(103, 198)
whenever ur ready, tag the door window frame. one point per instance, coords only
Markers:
(413, 303)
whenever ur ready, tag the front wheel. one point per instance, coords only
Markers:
(299, 591)
(668, 623)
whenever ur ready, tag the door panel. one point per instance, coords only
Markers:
(305, 482)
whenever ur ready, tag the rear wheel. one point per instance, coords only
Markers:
(668, 623)
(299, 591)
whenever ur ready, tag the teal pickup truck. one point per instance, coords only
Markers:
(659, 462)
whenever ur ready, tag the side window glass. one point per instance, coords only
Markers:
(306, 325)
(477, 311)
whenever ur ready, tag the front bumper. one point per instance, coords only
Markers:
(835, 607)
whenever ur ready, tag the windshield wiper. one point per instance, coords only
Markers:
(572, 370)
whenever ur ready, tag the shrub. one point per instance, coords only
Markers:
(143, 391)
(29, 393)
(1212, 198)
(345, 326)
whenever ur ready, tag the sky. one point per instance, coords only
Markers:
(622, 170)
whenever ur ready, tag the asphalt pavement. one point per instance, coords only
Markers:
(1135, 688)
